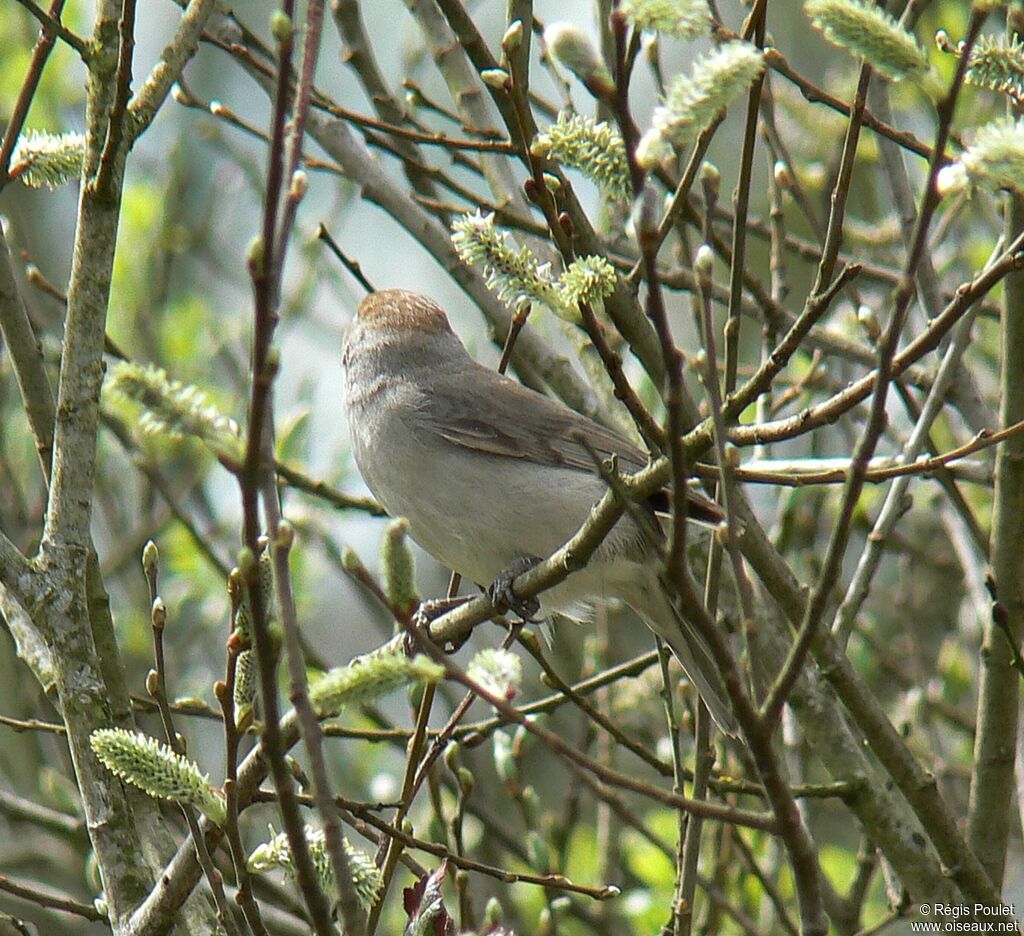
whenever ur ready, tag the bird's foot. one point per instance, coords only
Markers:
(502, 595)
(429, 611)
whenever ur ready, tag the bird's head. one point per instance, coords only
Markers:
(398, 310)
(403, 327)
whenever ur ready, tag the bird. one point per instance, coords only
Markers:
(492, 476)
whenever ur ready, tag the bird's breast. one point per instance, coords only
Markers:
(476, 512)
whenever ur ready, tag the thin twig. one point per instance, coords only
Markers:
(265, 268)
(606, 775)
(225, 692)
(351, 265)
(40, 54)
(831, 566)
(52, 25)
(156, 684)
(44, 897)
(755, 27)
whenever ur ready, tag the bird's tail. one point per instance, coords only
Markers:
(695, 659)
(690, 650)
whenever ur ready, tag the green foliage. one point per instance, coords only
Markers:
(246, 686)
(194, 331)
(588, 279)
(186, 574)
(399, 567)
(593, 147)
(142, 207)
(647, 861)
(174, 409)
(995, 160)
(370, 677)
(499, 671)
(155, 769)
(59, 97)
(647, 905)
(293, 435)
(517, 278)
(864, 29)
(277, 853)
(997, 63)
(683, 19)
(693, 101)
(47, 160)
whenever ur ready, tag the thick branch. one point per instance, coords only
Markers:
(999, 693)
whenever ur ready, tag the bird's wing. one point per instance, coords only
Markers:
(523, 424)
(520, 423)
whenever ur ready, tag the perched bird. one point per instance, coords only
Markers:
(492, 476)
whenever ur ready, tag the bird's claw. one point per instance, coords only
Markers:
(502, 595)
